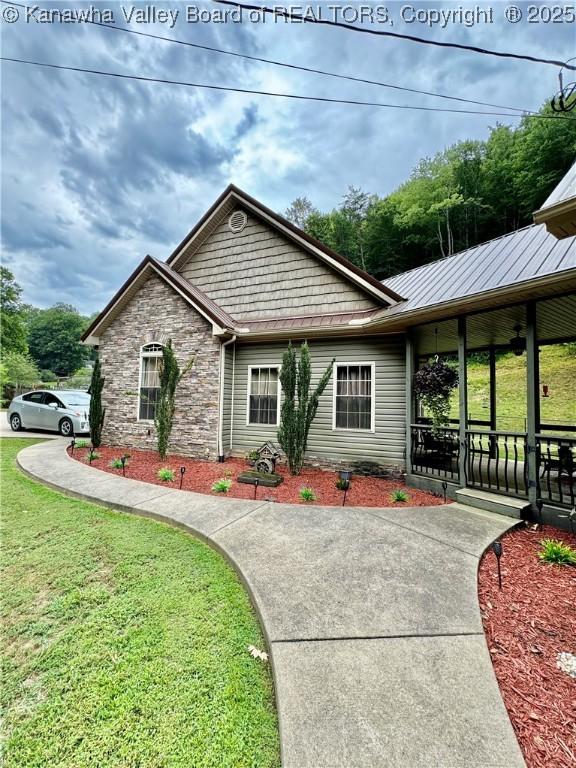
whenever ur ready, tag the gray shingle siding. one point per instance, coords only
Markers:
(259, 273)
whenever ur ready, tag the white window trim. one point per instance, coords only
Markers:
(256, 424)
(372, 366)
(143, 354)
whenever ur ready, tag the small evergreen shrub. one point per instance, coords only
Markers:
(557, 553)
(166, 475)
(399, 495)
(307, 494)
(97, 412)
(92, 456)
(222, 485)
(81, 443)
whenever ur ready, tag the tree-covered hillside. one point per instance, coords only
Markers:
(467, 194)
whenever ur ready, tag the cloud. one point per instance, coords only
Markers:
(99, 171)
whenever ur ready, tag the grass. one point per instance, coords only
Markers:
(125, 641)
(557, 370)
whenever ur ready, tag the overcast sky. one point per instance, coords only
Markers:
(97, 172)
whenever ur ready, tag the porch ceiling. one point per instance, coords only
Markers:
(556, 319)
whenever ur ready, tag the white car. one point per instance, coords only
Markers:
(64, 411)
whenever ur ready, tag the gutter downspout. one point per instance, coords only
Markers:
(221, 398)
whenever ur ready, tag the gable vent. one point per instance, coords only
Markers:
(237, 221)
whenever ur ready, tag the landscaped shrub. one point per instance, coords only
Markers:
(299, 405)
(92, 456)
(166, 474)
(81, 443)
(96, 413)
(117, 463)
(556, 552)
(222, 485)
(170, 377)
(307, 494)
(342, 485)
(399, 495)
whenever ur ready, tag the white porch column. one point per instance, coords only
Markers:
(462, 400)
(532, 401)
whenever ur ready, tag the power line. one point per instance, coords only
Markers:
(398, 35)
(288, 65)
(294, 96)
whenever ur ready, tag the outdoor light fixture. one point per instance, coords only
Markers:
(72, 444)
(539, 505)
(256, 481)
(123, 460)
(182, 472)
(497, 549)
(517, 343)
(444, 489)
(344, 479)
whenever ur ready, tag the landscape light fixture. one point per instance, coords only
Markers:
(444, 489)
(123, 459)
(182, 473)
(517, 343)
(344, 479)
(497, 549)
(90, 455)
(256, 481)
(72, 444)
(539, 505)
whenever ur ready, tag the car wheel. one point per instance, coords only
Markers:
(15, 422)
(66, 428)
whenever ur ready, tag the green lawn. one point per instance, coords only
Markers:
(124, 641)
(557, 370)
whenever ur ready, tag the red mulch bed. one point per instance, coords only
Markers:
(199, 476)
(527, 624)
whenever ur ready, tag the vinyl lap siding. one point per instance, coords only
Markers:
(258, 273)
(385, 445)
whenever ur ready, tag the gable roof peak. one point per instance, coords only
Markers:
(354, 274)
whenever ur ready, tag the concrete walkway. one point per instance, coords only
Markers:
(371, 617)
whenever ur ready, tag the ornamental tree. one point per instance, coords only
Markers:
(299, 405)
(170, 377)
(97, 412)
(433, 385)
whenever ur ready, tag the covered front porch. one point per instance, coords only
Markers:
(519, 446)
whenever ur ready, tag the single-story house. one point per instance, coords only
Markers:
(245, 281)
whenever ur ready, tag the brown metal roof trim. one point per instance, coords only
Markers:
(276, 217)
(306, 321)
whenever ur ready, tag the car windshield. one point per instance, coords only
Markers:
(75, 398)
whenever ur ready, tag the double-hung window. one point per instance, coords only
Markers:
(354, 396)
(263, 395)
(150, 362)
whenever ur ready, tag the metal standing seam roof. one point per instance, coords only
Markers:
(514, 258)
(564, 191)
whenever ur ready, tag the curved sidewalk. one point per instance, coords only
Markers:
(371, 617)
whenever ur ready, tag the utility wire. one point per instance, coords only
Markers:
(294, 96)
(287, 65)
(383, 33)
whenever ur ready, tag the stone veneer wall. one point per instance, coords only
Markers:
(157, 313)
